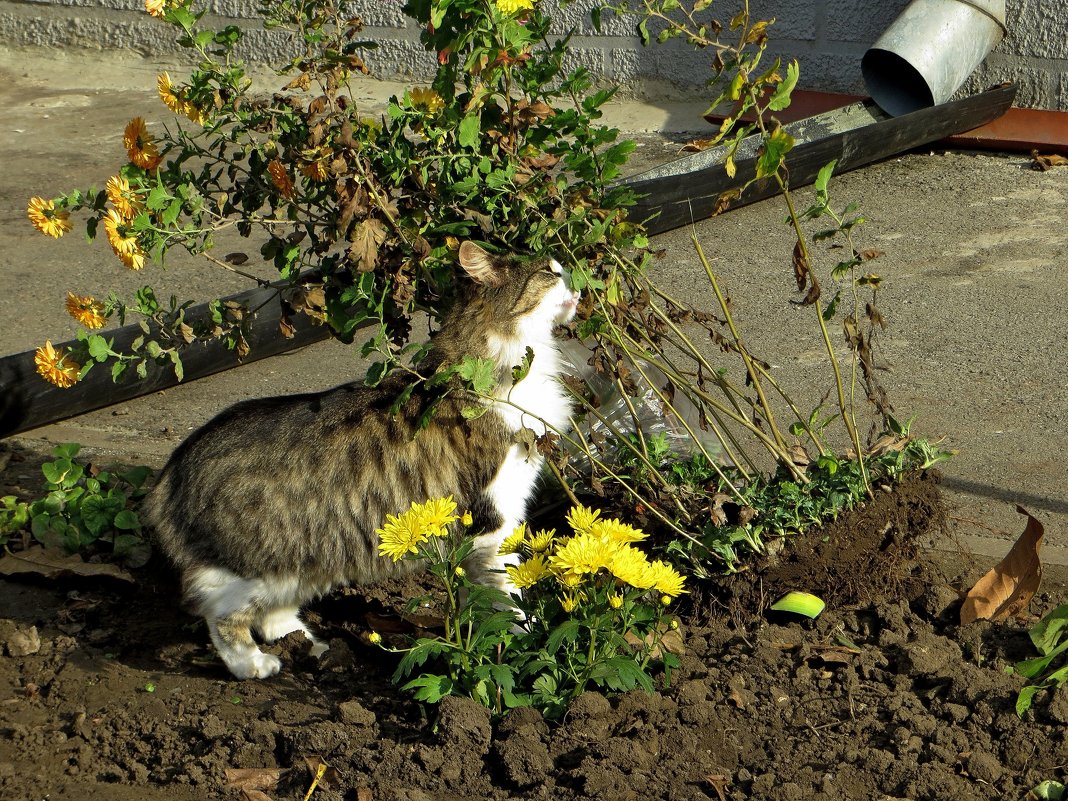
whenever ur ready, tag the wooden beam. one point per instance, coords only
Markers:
(28, 401)
(688, 189)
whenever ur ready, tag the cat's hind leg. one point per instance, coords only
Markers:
(231, 605)
(275, 624)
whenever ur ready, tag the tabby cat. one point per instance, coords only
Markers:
(276, 501)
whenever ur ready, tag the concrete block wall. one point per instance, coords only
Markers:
(828, 37)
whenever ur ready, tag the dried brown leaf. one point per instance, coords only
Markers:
(364, 794)
(720, 782)
(1043, 163)
(1007, 589)
(801, 266)
(54, 563)
(252, 778)
(330, 776)
(367, 236)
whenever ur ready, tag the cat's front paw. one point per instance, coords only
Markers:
(257, 665)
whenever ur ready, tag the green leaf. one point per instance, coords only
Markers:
(127, 520)
(1050, 631)
(522, 370)
(430, 688)
(800, 603)
(781, 98)
(480, 374)
(567, 631)
(777, 144)
(99, 348)
(68, 450)
(823, 178)
(1024, 699)
(470, 131)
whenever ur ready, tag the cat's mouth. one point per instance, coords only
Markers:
(568, 308)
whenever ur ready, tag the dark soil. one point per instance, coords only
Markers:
(883, 697)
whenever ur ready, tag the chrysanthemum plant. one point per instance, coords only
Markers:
(589, 611)
(360, 217)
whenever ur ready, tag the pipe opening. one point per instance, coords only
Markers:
(894, 83)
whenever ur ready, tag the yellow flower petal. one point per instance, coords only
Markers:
(85, 310)
(47, 219)
(56, 368)
(141, 145)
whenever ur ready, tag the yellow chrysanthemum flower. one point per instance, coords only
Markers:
(46, 218)
(56, 368)
(193, 112)
(569, 580)
(426, 99)
(121, 239)
(542, 541)
(437, 514)
(615, 600)
(85, 310)
(615, 531)
(171, 99)
(581, 519)
(122, 197)
(374, 638)
(280, 178)
(582, 554)
(401, 534)
(514, 541)
(513, 6)
(157, 8)
(141, 145)
(665, 579)
(529, 572)
(569, 601)
(134, 260)
(630, 566)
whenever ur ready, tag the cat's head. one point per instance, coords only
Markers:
(520, 291)
(507, 305)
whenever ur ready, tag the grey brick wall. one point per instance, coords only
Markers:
(827, 36)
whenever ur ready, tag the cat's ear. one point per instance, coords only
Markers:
(478, 264)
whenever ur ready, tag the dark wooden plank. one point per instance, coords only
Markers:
(688, 189)
(28, 401)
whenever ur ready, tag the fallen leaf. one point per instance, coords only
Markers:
(363, 794)
(54, 563)
(1043, 163)
(252, 778)
(1007, 589)
(328, 775)
(670, 640)
(719, 783)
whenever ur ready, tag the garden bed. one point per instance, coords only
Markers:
(884, 696)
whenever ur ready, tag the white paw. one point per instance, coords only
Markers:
(256, 665)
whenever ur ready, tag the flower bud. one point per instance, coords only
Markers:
(375, 638)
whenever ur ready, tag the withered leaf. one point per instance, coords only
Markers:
(801, 266)
(1006, 590)
(286, 328)
(723, 202)
(870, 253)
(185, 331)
(697, 145)
(55, 563)
(236, 258)
(302, 81)
(528, 439)
(329, 776)
(670, 641)
(252, 778)
(1043, 163)
(242, 348)
(367, 236)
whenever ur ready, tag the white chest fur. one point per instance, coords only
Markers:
(538, 400)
